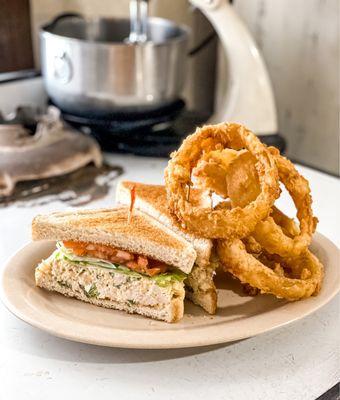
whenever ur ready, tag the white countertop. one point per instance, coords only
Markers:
(300, 361)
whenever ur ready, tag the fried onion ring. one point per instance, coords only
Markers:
(210, 170)
(269, 233)
(277, 233)
(220, 223)
(298, 188)
(306, 271)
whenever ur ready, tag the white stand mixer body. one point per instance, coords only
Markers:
(249, 98)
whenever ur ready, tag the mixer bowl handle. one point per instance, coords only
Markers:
(63, 16)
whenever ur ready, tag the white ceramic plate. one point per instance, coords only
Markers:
(238, 317)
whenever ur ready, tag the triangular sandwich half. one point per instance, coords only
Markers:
(112, 259)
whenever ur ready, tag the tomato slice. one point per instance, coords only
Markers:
(135, 262)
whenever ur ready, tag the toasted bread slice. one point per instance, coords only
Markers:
(112, 289)
(142, 234)
(151, 199)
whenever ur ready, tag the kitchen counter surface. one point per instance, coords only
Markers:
(299, 361)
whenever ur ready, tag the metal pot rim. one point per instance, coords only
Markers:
(46, 30)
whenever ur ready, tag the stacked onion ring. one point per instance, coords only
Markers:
(257, 243)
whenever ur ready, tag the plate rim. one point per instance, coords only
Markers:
(150, 337)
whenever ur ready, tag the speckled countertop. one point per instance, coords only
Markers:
(300, 361)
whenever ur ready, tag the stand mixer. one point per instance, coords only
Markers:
(121, 80)
(249, 97)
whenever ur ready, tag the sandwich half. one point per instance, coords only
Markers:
(116, 260)
(151, 199)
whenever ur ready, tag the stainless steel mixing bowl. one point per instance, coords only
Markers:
(89, 67)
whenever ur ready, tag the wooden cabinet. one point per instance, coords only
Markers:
(15, 36)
